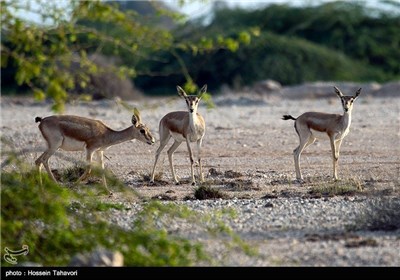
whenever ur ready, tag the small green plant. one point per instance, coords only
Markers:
(72, 173)
(104, 206)
(207, 192)
(242, 185)
(157, 177)
(347, 187)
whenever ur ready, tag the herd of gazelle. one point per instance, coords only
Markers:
(74, 133)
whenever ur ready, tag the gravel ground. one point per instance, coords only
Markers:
(247, 154)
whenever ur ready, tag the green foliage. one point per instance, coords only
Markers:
(156, 48)
(360, 32)
(345, 187)
(58, 58)
(342, 41)
(57, 222)
(207, 192)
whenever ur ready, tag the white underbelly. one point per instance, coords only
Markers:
(178, 137)
(319, 135)
(324, 136)
(70, 144)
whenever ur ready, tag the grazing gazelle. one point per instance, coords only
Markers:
(73, 133)
(310, 125)
(183, 126)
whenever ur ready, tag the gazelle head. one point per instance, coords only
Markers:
(140, 130)
(192, 101)
(347, 101)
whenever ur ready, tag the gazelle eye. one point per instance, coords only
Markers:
(142, 131)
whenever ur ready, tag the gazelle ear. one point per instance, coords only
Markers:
(136, 117)
(202, 91)
(181, 92)
(338, 92)
(357, 93)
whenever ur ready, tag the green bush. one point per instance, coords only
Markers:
(57, 222)
(207, 192)
(340, 41)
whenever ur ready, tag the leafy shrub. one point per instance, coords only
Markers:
(346, 187)
(207, 192)
(58, 222)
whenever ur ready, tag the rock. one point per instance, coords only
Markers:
(267, 86)
(99, 257)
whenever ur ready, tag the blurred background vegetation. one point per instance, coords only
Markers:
(103, 49)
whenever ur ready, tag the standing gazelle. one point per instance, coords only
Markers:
(73, 133)
(310, 125)
(182, 126)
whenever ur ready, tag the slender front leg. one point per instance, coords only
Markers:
(199, 142)
(163, 143)
(338, 143)
(335, 156)
(100, 157)
(89, 157)
(191, 161)
(170, 157)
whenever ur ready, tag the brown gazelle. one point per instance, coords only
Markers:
(182, 126)
(74, 133)
(311, 125)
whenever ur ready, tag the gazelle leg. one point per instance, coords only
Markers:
(305, 141)
(44, 158)
(170, 158)
(89, 157)
(199, 142)
(100, 157)
(191, 161)
(163, 142)
(335, 146)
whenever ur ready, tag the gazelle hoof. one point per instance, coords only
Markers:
(110, 194)
(299, 181)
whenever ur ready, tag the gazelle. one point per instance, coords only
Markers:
(73, 133)
(310, 125)
(182, 126)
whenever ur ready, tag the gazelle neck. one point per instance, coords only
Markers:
(346, 118)
(193, 119)
(117, 137)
